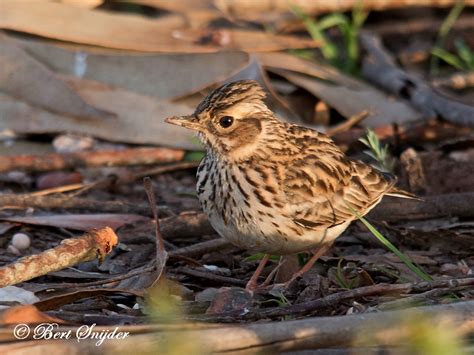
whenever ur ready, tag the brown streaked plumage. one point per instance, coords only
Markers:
(271, 186)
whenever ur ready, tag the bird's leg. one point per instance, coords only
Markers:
(252, 284)
(273, 272)
(320, 252)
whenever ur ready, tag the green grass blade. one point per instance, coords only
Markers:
(328, 49)
(444, 30)
(406, 260)
(332, 20)
(385, 242)
(465, 53)
(449, 58)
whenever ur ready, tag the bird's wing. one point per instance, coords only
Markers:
(321, 183)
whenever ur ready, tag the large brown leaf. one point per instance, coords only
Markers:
(24, 77)
(164, 76)
(140, 119)
(119, 31)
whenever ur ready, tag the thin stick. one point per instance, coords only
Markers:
(132, 273)
(66, 202)
(375, 290)
(161, 254)
(167, 168)
(55, 161)
(160, 244)
(348, 124)
(212, 277)
(201, 248)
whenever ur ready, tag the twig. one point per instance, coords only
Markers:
(161, 254)
(347, 124)
(379, 67)
(95, 244)
(58, 189)
(106, 182)
(112, 179)
(126, 157)
(380, 289)
(128, 275)
(186, 225)
(201, 248)
(419, 299)
(211, 277)
(66, 202)
(167, 168)
(160, 244)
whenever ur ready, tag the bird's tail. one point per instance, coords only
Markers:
(396, 192)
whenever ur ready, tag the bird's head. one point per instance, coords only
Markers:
(230, 120)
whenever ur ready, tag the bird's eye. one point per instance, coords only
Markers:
(226, 121)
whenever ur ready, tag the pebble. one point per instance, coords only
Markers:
(21, 241)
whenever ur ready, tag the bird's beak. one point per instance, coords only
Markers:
(190, 121)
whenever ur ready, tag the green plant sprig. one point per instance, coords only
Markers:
(349, 28)
(443, 32)
(381, 154)
(462, 60)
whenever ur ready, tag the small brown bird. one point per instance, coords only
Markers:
(275, 187)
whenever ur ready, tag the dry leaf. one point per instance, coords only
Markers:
(55, 302)
(245, 40)
(330, 85)
(382, 110)
(230, 299)
(249, 8)
(15, 295)
(164, 76)
(26, 78)
(67, 23)
(27, 314)
(290, 62)
(140, 119)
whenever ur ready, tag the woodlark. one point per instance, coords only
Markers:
(271, 186)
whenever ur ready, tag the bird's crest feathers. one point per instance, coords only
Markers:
(230, 94)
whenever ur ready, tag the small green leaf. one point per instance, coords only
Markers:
(449, 58)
